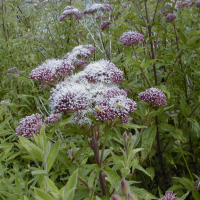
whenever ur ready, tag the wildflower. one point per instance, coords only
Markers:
(125, 187)
(103, 71)
(170, 17)
(96, 7)
(153, 96)
(81, 51)
(101, 16)
(196, 185)
(52, 119)
(105, 24)
(186, 3)
(70, 11)
(81, 63)
(129, 38)
(116, 197)
(13, 70)
(29, 125)
(197, 4)
(169, 195)
(5, 102)
(80, 32)
(179, 3)
(52, 70)
(92, 92)
(124, 6)
(116, 107)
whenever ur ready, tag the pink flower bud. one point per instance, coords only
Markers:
(131, 196)
(130, 136)
(125, 187)
(125, 136)
(116, 197)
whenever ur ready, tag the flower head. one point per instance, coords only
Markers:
(29, 125)
(79, 52)
(170, 17)
(52, 70)
(153, 96)
(169, 195)
(94, 87)
(70, 11)
(197, 4)
(196, 185)
(105, 24)
(13, 70)
(96, 7)
(52, 119)
(114, 105)
(102, 71)
(129, 38)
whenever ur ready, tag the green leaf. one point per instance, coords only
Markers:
(195, 126)
(183, 37)
(132, 126)
(65, 121)
(42, 195)
(148, 138)
(31, 148)
(67, 192)
(39, 172)
(112, 177)
(142, 193)
(52, 155)
(184, 196)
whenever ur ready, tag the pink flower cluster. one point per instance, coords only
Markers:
(93, 91)
(197, 4)
(105, 24)
(103, 71)
(170, 17)
(129, 38)
(186, 3)
(68, 97)
(70, 11)
(169, 195)
(115, 104)
(52, 70)
(13, 70)
(196, 185)
(29, 125)
(153, 96)
(95, 7)
(52, 118)
(79, 54)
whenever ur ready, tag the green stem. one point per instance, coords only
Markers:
(186, 164)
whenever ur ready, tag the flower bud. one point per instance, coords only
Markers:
(130, 136)
(125, 137)
(132, 196)
(116, 197)
(125, 187)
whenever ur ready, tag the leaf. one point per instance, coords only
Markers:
(42, 195)
(183, 37)
(132, 126)
(67, 192)
(31, 148)
(142, 193)
(148, 138)
(5, 122)
(147, 63)
(195, 126)
(112, 177)
(65, 121)
(184, 196)
(52, 155)
(39, 172)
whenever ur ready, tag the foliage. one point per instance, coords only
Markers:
(155, 44)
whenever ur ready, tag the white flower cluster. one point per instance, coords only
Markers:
(81, 93)
(96, 7)
(52, 70)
